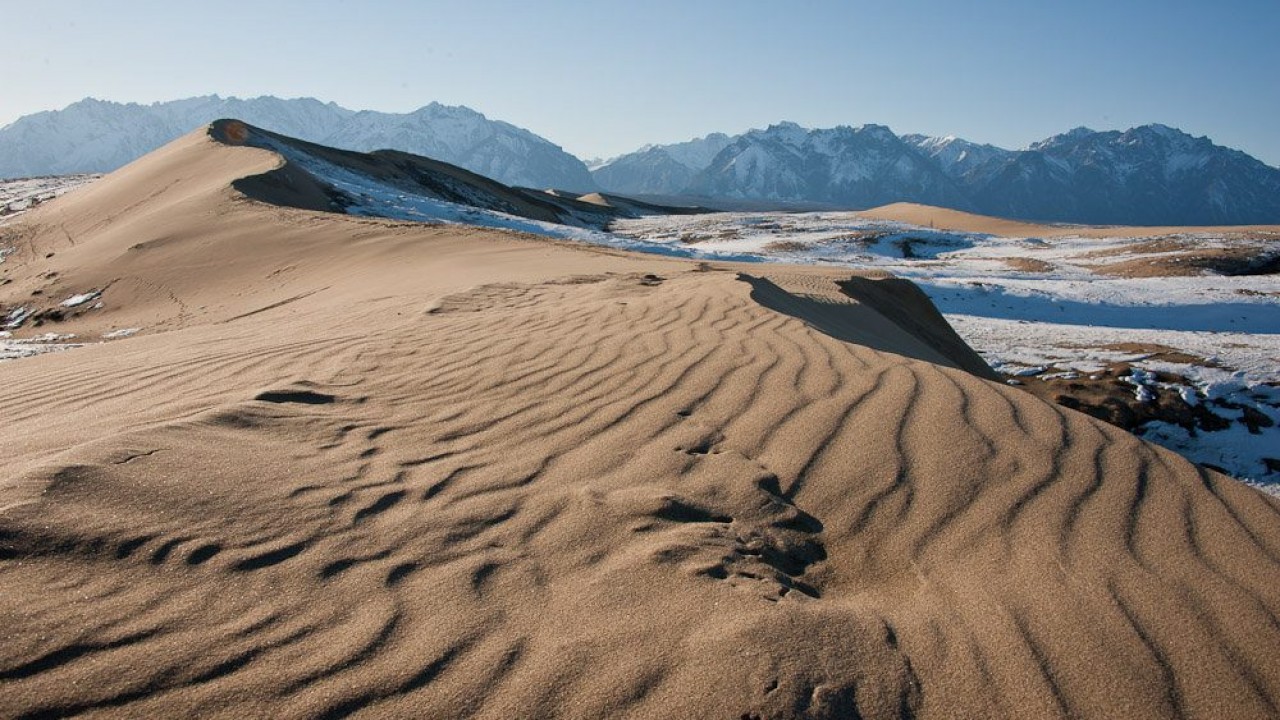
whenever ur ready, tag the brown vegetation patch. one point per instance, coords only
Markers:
(1229, 261)
(1031, 265)
(1147, 247)
(861, 237)
(1109, 397)
(786, 246)
(1156, 351)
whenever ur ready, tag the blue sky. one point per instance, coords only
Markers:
(601, 78)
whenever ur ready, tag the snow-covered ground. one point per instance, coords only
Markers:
(23, 194)
(12, 348)
(16, 198)
(1034, 306)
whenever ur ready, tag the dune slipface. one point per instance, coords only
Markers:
(378, 469)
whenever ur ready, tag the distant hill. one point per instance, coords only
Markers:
(100, 136)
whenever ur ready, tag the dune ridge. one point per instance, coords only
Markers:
(374, 469)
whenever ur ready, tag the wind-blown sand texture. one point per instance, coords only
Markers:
(378, 469)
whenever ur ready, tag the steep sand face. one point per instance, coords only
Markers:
(947, 219)
(467, 474)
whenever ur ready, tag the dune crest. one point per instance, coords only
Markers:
(377, 469)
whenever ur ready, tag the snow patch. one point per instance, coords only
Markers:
(76, 300)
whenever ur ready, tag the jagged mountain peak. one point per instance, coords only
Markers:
(955, 155)
(434, 108)
(1167, 139)
(1163, 131)
(933, 142)
(880, 132)
(1071, 136)
(786, 132)
(1147, 175)
(853, 167)
(659, 169)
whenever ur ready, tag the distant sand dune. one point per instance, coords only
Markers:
(947, 219)
(382, 470)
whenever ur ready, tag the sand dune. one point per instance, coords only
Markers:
(357, 468)
(292, 186)
(947, 219)
(630, 207)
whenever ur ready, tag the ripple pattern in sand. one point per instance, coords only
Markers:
(619, 496)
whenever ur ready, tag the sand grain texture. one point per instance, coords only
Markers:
(372, 469)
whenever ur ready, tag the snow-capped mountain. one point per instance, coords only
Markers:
(855, 167)
(644, 172)
(660, 169)
(99, 136)
(698, 153)
(1147, 175)
(954, 155)
(464, 137)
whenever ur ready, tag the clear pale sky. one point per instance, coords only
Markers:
(602, 78)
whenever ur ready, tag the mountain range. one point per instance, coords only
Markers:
(99, 136)
(1148, 175)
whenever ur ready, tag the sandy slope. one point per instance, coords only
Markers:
(947, 219)
(385, 470)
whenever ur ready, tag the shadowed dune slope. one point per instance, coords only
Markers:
(293, 187)
(374, 469)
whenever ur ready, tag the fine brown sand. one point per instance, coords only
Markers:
(946, 219)
(374, 469)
